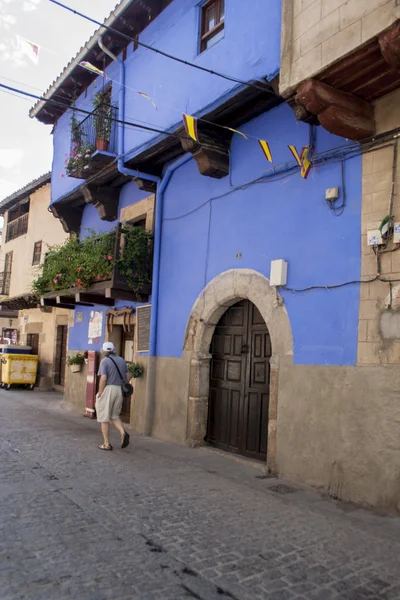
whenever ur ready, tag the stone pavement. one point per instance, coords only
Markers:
(162, 521)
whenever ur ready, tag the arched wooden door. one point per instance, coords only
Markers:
(239, 382)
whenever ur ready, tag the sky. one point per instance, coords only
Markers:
(26, 144)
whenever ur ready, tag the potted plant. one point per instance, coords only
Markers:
(102, 121)
(79, 159)
(136, 370)
(75, 362)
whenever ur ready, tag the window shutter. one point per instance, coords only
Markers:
(143, 327)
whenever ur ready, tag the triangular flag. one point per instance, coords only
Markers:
(305, 163)
(191, 126)
(266, 149)
(30, 49)
(89, 67)
(148, 98)
(237, 131)
(295, 154)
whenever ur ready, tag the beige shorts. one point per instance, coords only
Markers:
(108, 407)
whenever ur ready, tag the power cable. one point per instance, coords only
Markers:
(86, 112)
(257, 86)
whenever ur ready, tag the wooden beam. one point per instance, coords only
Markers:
(91, 299)
(65, 300)
(120, 295)
(52, 303)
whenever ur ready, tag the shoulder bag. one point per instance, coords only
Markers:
(126, 388)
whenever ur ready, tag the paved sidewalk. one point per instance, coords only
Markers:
(162, 521)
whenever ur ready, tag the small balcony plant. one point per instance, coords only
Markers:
(75, 362)
(79, 159)
(102, 121)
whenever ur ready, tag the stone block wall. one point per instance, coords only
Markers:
(379, 303)
(316, 33)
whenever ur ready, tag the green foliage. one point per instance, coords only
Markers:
(136, 258)
(77, 133)
(102, 117)
(79, 264)
(79, 159)
(136, 370)
(77, 359)
(76, 264)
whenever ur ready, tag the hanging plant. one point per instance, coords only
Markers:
(136, 258)
(136, 370)
(102, 120)
(79, 159)
(76, 264)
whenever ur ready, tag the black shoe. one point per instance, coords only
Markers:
(125, 440)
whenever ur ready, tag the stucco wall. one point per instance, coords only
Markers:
(316, 33)
(45, 325)
(209, 228)
(175, 87)
(42, 226)
(377, 345)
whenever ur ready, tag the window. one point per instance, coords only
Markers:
(37, 253)
(17, 221)
(7, 273)
(212, 23)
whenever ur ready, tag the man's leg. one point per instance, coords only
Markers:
(118, 425)
(105, 430)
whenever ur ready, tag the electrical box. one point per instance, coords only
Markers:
(374, 237)
(332, 194)
(396, 233)
(278, 276)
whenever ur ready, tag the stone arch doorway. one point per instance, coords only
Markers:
(238, 405)
(220, 294)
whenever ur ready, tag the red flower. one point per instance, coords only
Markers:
(109, 257)
(80, 269)
(79, 280)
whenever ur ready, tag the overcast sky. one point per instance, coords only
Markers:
(26, 144)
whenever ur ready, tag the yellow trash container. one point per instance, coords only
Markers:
(18, 369)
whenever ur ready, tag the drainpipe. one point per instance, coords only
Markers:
(161, 187)
(121, 130)
(151, 367)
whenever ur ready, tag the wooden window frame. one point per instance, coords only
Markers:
(36, 245)
(206, 36)
(7, 273)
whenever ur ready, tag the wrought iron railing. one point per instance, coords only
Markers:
(98, 130)
(17, 227)
(5, 281)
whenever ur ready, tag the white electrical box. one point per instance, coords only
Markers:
(332, 194)
(396, 233)
(374, 237)
(278, 276)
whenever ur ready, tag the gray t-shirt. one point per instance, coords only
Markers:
(108, 369)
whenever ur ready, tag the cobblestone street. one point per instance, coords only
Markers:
(161, 521)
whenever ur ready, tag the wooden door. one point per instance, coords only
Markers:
(61, 354)
(239, 382)
(128, 354)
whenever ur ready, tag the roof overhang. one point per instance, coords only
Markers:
(129, 17)
(24, 192)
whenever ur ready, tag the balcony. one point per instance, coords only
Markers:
(93, 143)
(98, 270)
(17, 227)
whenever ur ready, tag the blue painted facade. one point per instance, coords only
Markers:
(207, 222)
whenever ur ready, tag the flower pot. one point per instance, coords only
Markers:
(102, 145)
(76, 368)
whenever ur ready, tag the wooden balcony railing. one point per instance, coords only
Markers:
(17, 228)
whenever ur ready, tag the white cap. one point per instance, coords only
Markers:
(108, 347)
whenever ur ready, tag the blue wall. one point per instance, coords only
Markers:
(175, 87)
(287, 218)
(78, 335)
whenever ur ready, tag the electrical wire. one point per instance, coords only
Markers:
(257, 86)
(86, 112)
(330, 287)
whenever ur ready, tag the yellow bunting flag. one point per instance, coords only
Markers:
(148, 98)
(89, 67)
(237, 131)
(295, 154)
(191, 126)
(305, 163)
(266, 149)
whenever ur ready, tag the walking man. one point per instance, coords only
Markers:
(113, 374)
